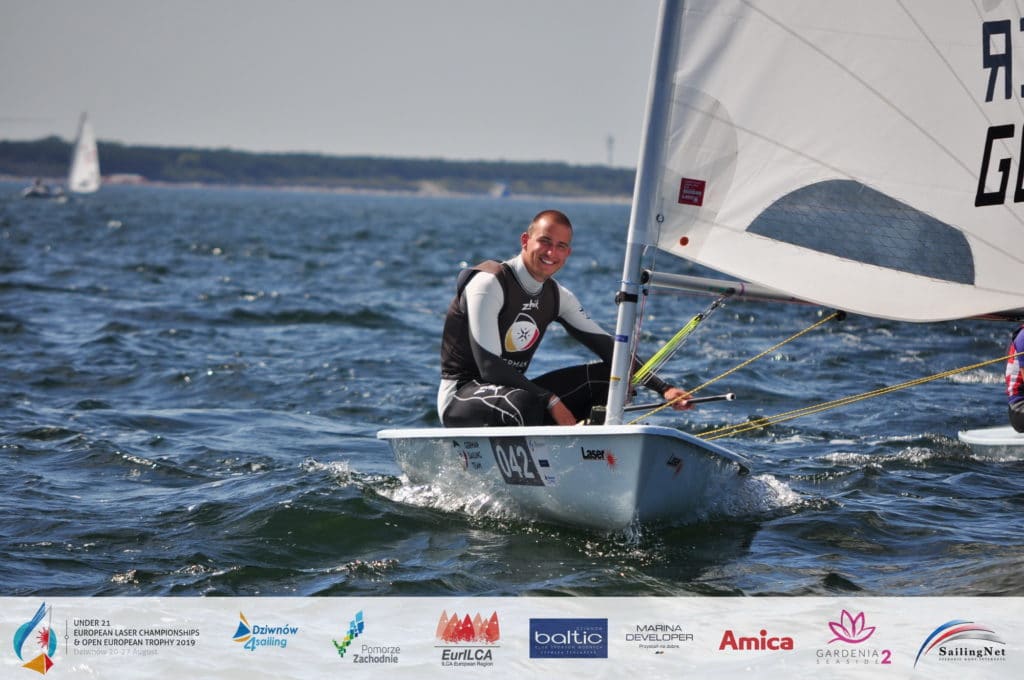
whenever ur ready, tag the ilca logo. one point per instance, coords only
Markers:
(36, 634)
(852, 629)
(253, 637)
(960, 640)
(467, 641)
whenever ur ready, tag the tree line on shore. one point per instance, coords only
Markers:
(49, 157)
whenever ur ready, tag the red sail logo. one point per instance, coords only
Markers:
(476, 630)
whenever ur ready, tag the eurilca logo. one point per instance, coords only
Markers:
(958, 629)
(44, 639)
(355, 628)
(452, 630)
(254, 636)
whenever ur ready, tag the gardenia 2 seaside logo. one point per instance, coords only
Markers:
(851, 629)
(253, 637)
(37, 634)
(960, 640)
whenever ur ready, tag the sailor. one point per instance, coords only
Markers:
(495, 324)
(1015, 380)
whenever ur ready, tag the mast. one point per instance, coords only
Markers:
(659, 103)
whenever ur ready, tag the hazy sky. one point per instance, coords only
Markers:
(458, 79)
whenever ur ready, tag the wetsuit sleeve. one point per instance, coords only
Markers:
(483, 299)
(580, 326)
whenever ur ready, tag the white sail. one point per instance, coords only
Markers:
(84, 175)
(864, 155)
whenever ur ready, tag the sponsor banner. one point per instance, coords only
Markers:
(514, 637)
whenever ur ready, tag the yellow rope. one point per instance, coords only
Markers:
(810, 410)
(749, 361)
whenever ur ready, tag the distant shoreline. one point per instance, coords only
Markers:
(310, 172)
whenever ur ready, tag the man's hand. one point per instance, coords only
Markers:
(560, 412)
(679, 398)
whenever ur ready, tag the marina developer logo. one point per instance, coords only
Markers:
(253, 637)
(568, 638)
(960, 640)
(35, 641)
(467, 641)
(851, 630)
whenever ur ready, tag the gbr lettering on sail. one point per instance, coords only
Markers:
(997, 61)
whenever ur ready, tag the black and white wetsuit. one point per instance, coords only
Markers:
(492, 330)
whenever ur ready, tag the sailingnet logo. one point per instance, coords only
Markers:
(568, 638)
(35, 641)
(960, 640)
(466, 641)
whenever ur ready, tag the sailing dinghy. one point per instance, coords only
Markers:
(865, 157)
(84, 172)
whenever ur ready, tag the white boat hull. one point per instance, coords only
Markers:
(1002, 441)
(597, 477)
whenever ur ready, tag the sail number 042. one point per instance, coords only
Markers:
(512, 454)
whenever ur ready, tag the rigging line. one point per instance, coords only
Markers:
(820, 322)
(669, 349)
(740, 428)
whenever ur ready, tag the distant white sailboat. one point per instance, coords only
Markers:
(84, 175)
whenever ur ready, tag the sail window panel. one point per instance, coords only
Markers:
(847, 219)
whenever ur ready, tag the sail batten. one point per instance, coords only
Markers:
(863, 156)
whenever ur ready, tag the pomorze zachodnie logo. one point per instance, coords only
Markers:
(253, 637)
(568, 638)
(960, 640)
(37, 634)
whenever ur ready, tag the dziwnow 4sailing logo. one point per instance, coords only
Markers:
(37, 634)
(468, 641)
(960, 640)
(568, 638)
(253, 637)
(851, 630)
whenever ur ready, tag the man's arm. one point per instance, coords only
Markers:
(580, 326)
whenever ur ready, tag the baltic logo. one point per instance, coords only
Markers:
(852, 630)
(255, 636)
(960, 640)
(467, 641)
(760, 642)
(36, 634)
(568, 638)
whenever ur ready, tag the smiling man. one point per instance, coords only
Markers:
(494, 326)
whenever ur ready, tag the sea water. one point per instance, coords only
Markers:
(191, 381)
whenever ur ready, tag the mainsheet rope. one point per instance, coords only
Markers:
(758, 423)
(821, 322)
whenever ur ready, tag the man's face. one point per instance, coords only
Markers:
(546, 248)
